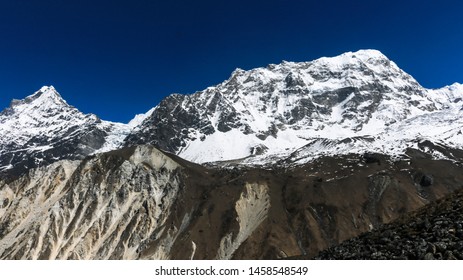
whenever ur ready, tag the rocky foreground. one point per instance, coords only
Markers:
(433, 232)
(142, 203)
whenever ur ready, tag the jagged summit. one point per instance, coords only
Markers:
(43, 128)
(47, 90)
(373, 59)
(45, 93)
(44, 109)
(45, 99)
(49, 93)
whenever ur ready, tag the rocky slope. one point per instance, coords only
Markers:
(43, 128)
(433, 232)
(141, 203)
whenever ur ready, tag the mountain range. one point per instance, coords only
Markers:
(274, 162)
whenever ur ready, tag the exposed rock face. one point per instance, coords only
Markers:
(140, 203)
(103, 207)
(433, 232)
(251, 209)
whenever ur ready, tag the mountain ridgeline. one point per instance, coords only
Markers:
(275, 162)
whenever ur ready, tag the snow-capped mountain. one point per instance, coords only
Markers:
(353, 143)
(356, 102)
(288, 113)
(43, 128)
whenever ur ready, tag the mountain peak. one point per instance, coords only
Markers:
(369, 53)
(363, 55)
(42, 128)
(278, 109)
(374, 61)
(47, 88)
(49, 93)
(456, 87)
(368, 56)
(46, 96)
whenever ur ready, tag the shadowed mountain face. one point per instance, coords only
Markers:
(140, 203)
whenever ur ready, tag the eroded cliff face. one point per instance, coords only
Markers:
(141, 203)
(105, 207)
(251, 209)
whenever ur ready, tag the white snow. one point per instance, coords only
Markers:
(119, 131)
(265, 104)
(139, 118)
(46, 115)
(406, 112)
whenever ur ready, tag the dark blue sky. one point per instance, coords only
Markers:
(118, 58)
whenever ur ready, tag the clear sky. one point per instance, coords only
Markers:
(118, 58)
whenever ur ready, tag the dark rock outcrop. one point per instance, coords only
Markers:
(434, 232)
